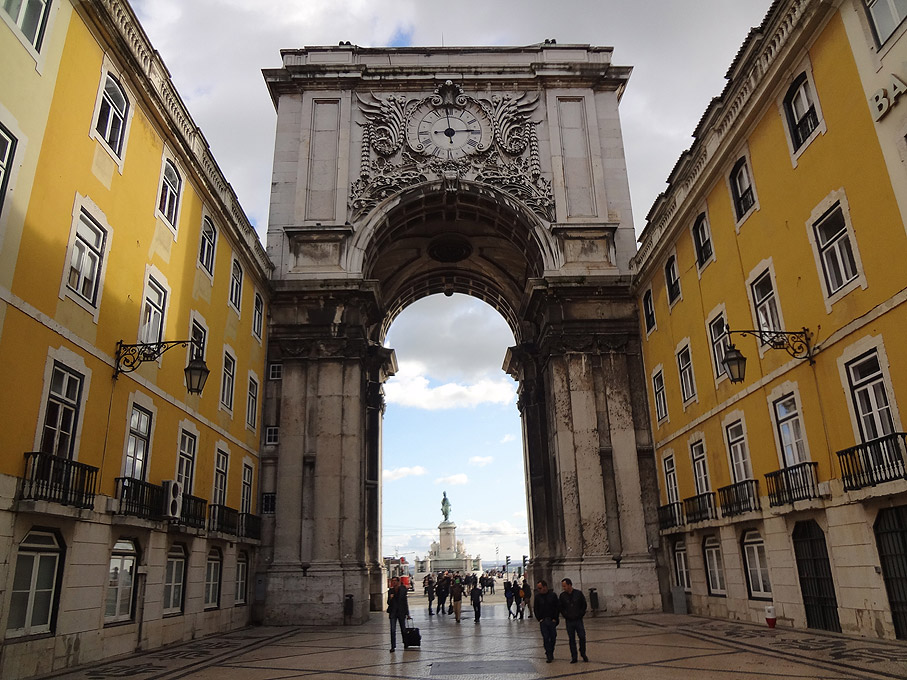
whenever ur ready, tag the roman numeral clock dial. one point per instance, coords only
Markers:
(448, 131)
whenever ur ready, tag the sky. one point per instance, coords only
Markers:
(451, 422)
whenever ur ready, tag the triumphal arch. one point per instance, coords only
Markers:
(497, 173)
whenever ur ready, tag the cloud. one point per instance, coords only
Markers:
(411, 387)
(520, 513)
(401, 472)
(453, 480)
(507, 438)
(481, 461)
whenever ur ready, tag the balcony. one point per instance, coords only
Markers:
(59, 480)
(193, 512)
(139, 499)
(739, 498)
(223, 519)
(670, 516)
(700, 508)
(794, 483)
(249, 526)
(873, 462)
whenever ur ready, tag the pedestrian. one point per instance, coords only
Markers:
(476, 596)
(518, 596)
(430, 592)
(441, 590)
(456, 598)
(573, 607)
(397, 609)
(547, 611)
(508, 595)
(527, 598)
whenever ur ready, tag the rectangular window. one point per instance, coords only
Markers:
(152, 328)
(661, 400)
(236, 285)
(718, 337)
(681, 567)
(169, 201)
(186, 464)
(700, 467)
(138, 444)
(766, 303)
(242, 578)
(756, 565)
(272, 436)
(790, 430)
(246, 498)
(226, 388)
(258, 316)
(870, 396)
(714, 566)
(85, 261)
(275, 371)
(212, 580)
(33, 594)
(199, 337)
(62, 413)
(886, 16)
(835, 250)
(120, 581)
(7, 153)
(221, 462)
(268, 503)
(30, 16)
(671, 480)
(741, 467)
(174, 577)
(685, 366)
(252, 404)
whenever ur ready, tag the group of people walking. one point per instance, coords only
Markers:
(547, 607)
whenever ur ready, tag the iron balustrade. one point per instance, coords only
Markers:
(670, 515)
(223, 519)
(700, 508)
(249, 526)
(795, 483)
(194, 512)
(805, 126)
(870, 463)
(59, 480)
(139, 499)
(739, 498)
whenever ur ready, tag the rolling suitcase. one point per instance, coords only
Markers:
(411, 636)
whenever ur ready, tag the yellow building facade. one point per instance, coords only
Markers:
(783, 494)
(129, 510)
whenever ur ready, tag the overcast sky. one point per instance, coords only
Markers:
(451, 422)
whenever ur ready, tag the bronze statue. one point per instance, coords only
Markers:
(445, 507)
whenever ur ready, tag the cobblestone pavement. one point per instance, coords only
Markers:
(638, 647)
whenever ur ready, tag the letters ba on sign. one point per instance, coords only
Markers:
(881, 101)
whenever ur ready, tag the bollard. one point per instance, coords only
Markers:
(347, 610)
(593, 600)
(770, 616)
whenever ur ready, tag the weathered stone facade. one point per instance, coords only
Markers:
(493, 172)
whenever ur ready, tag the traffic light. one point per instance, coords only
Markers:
(507, 563)
(525, 560)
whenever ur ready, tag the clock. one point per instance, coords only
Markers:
(449, 131)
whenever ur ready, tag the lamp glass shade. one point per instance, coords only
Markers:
(196, 375)
(734, 363)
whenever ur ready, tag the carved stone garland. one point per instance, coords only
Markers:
(511, 163)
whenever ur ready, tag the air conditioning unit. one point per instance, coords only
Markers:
(173, 499)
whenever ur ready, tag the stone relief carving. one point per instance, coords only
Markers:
(392, 157)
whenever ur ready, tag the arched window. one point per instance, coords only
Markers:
(681, 567)
(702, 240)
(236, 285)
(672, 280)
(34, 591)
(756, 566)
(800, 108)
(174, 580)
(714, 566)
(742, 188)
(170, 193)
(206, 249)
(242, 578)
(212, 579)
(111, 124)
(120, 580)
(648, 308)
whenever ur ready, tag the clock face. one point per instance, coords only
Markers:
(448, 131)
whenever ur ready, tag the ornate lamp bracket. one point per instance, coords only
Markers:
(795, 343)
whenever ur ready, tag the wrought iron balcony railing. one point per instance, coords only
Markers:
(59, 480)
(249, 526)
(700, 508)
(223, 519)
(873, 462)
(739, 498)
(670, 515)
(795, 483)
(139, 499)
(193, 512)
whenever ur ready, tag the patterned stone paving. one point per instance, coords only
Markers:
(643, 647)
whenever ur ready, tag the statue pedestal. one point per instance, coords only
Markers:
(448, 542)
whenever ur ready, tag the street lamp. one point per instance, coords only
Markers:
(795, 343)
(130, 357)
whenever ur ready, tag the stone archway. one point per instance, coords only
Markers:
(394, 181)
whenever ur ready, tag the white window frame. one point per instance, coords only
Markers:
(73, 363)
(64, 403)
(118, 152)
(659, 395)
(272, 435)
(647, 302)
(150, 330)
(245, 502)
(173, 196)
(174, 580)
(733, 187)
(135, 462)
(714, 566)
(213, 573)
(871, 16)
(121, 592)
(236, 285)
(716, 329)
(221, 475)
(187, 456)
(44, 546)
(699, 228)
(685, 373)
(275, 370)
(854, 352)
(252, 401)
(755, 565)
(791, 451)
(870, 398)
(681, 566)
(669, 468)
(207, 247)
(699, 461)
(671, 273)
(258, 316)
(8, 168)
(787, 112)
(740, 463)
(835, 199)
(242, 578)
(84, 209)
(228, 380)
(35, 43)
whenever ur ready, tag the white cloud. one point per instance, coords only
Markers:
(481, 461)
(411, 387)
(453, 480)
(520, 513)
(401, 472)
(507, 438)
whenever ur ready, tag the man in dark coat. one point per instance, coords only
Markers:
(397, 609)
(475, 596)
(547, 611)
(573, 608)
(456, 598)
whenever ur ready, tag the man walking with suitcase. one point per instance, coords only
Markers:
(397, 609)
